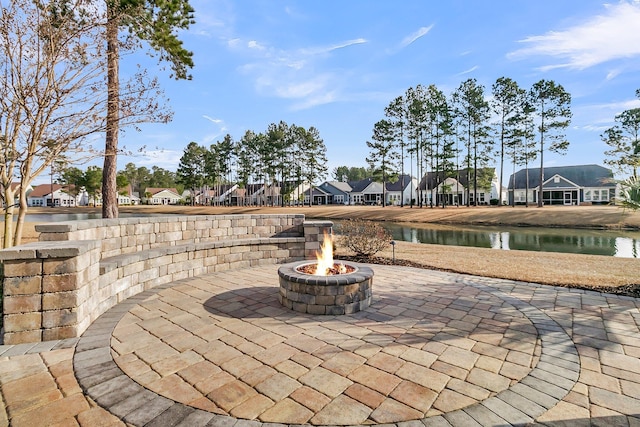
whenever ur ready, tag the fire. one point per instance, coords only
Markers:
(325, 257)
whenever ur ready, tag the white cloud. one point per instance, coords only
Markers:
(216, 121)
(320, 50)
(165, 159)
(470, 70)
(415, 36)
(612, 74)
(252, 44)
(602, 38)
(297, 74)
(211, 137)
(315, 100)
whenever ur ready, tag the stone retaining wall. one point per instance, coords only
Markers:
(54, 288)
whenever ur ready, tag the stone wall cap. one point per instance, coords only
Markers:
(318, 223)
(49, 249)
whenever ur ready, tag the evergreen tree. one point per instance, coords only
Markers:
(624, 140)
(190, 172)
(473, 114)
(313, 156)
(552, 108)
(439, 128)
(153, 21)
(508, 99)
(382, 154)
(396, 111)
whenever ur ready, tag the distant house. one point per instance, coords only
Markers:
(317, 196)
(338, 193)
(209, 196)
(126, 196)
(458, 189)
(563, 185)
(161, 196)
(402, 191)
(50, 195)
(366, 192)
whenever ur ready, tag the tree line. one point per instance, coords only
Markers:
(286, 155)
(139, 179)
(465, 130)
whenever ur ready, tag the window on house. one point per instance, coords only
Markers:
(556, 179)
(587, 195)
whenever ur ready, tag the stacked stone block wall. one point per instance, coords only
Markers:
(55, 288)
(314, 233)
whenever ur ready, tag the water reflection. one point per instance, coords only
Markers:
(58, 217)
(594, 242)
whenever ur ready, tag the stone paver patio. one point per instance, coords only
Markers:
(434, 348)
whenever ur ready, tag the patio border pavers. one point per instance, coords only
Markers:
(103, 381)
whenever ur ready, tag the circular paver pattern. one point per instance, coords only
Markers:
(430, 344)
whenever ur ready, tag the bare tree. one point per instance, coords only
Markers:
(49, 102)
(52, 97)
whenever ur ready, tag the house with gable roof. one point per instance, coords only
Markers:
(437, 188)
(366, 192)
(50, 195)
(563, 185)
(338, 192)
(402, 191)
(161, 196)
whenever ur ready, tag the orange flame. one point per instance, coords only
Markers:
(325, 257)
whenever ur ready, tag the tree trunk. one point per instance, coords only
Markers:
(22, 212)
(501, 165)
(540, 201)
(9, 197)
(109, 172)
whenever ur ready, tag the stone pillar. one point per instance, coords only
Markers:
(49, 289)
(314, 235)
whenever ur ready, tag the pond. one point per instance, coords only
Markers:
(58, 217)
(580, 241)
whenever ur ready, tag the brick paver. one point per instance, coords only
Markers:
(433, 348)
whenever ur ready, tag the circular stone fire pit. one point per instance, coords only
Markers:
(334, 294)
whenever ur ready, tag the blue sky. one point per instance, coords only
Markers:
(336, 65)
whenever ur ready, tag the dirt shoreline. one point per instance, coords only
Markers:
(603, 273)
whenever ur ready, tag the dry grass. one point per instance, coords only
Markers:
(586, 271)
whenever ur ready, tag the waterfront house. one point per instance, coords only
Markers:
(161, 196)
(563, 185)
(50, 195)
(402, 191)
(457, 187)
(337, 192)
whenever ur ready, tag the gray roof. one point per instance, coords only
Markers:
(581, 175)
(397, 186)
(336, 187)
(359, 186)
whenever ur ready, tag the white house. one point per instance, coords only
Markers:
(402, 191)
(50, 195)
(458, 189)
(162, 196)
